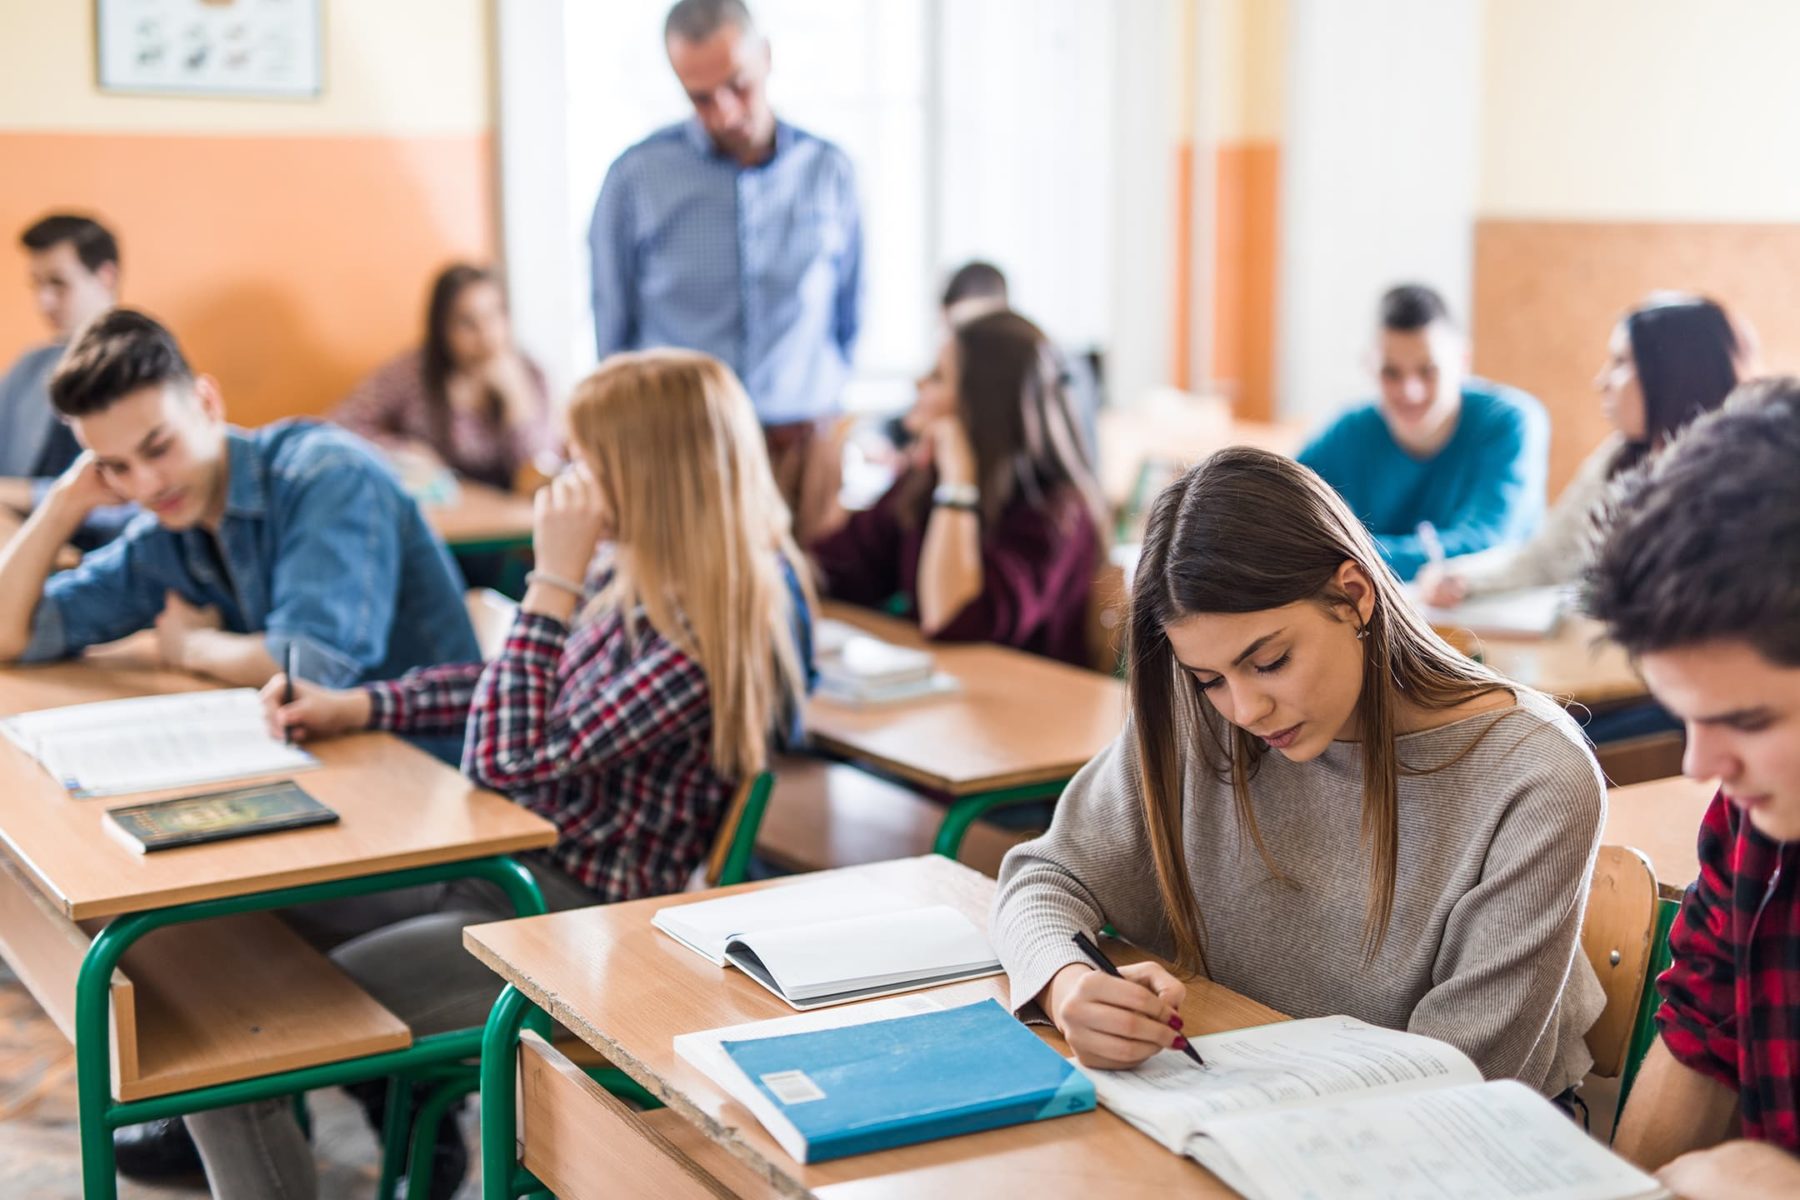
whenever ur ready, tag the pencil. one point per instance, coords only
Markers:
(1098, 958)
(287, 693)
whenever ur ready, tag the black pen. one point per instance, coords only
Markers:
(287, 694)
(1098, 957)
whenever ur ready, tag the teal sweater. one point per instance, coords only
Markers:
(1484, 488)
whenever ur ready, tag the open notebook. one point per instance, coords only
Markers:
(1336, 1107)
(1526, 612)
(831, 941)
(152, 742)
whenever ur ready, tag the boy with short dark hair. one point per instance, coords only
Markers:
(74, 269)
(253, 540)
(1698, 577)
(1439, 448)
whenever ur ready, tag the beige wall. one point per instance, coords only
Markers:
(391, 66)
(1629, 145)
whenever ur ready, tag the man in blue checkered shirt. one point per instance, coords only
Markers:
(737, 234)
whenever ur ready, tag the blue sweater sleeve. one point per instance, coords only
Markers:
(1509, 461)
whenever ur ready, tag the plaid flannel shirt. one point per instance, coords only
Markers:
(1731, 1001)
(606, 733)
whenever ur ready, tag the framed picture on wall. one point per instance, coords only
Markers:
(267, 48)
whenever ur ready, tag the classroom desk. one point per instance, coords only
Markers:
(1018, 730)
(1180, 429)
(1573, 665)
(1662, 819)
(482, 518)
(239, 1008)
(626, 990)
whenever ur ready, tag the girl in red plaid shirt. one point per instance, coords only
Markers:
(663, 638)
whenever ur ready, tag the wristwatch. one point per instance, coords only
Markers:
(964, 496)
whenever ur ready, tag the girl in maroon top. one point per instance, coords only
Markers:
(993, 531)
(466, 399)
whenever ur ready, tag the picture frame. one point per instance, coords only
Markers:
(268, 49)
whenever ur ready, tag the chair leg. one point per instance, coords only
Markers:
(393, 1135)
(430, 1114)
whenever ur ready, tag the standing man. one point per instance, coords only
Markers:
(737, 234)
(74, 265)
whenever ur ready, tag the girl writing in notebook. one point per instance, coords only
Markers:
(993, 532)
(663, 638)
(1316, 802)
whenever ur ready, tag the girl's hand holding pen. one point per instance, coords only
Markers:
(1114, 1023)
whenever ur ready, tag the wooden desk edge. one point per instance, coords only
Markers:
(80, 910)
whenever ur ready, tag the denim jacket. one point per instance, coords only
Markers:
(318, 547)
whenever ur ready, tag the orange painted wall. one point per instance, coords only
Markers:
(1247, 181)
(287, 266)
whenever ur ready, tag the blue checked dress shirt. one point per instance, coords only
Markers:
(758, 266)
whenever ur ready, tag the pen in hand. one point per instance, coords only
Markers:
(1098, 957)
(287, 694)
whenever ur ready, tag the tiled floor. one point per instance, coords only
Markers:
(40, 1157)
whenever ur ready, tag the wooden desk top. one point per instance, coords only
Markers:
(1173, 426)
(481, 514)
(1574, 665)
(1019, 719)
(1661, 818)
(627, 990)
(399, 807)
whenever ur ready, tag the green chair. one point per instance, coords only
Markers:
(1644, 1032)
(729, 863)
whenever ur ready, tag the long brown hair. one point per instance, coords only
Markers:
(1246, 531)
(437, 364)
(1013, 398)
(702, 531)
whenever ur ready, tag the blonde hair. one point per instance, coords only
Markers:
(702, 533)
(1248, 531)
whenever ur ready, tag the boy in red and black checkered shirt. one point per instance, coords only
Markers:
(1699, 577)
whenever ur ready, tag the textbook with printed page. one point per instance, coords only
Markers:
(1333, 1107)
(153, 742)
(890, 1074)
(830, 941)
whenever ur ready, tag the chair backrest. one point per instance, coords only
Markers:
(1618, 937)
(1106, 609)
(729, 862)
(491, 614)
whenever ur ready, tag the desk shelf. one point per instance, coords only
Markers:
(201, 1004)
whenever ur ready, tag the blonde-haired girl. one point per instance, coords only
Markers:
(663, 638)
(1317, 803)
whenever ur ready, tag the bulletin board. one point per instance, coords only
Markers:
(267, 48)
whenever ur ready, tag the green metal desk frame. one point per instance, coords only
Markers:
(503, 1177)
(426, 1060)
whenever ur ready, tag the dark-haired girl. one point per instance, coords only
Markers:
(467, 398)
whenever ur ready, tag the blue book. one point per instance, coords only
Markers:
(834, 1092)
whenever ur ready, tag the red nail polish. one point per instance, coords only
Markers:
(1180, 1043)
(1175, 1022)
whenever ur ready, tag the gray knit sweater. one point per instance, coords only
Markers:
(1483, 949)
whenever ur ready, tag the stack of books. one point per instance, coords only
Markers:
(857, 669)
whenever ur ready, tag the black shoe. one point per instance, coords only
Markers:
(156, 1150)
(449, 1156)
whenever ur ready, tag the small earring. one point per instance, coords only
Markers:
(1362, 634)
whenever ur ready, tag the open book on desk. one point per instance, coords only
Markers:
(152, 742)
(1334, 1107)
(1525, 612)
(829, 941)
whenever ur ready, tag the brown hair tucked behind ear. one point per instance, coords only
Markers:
(1246, 531)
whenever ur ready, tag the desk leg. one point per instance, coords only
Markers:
(100, 1114)
(502, 1175)
(966, 810)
